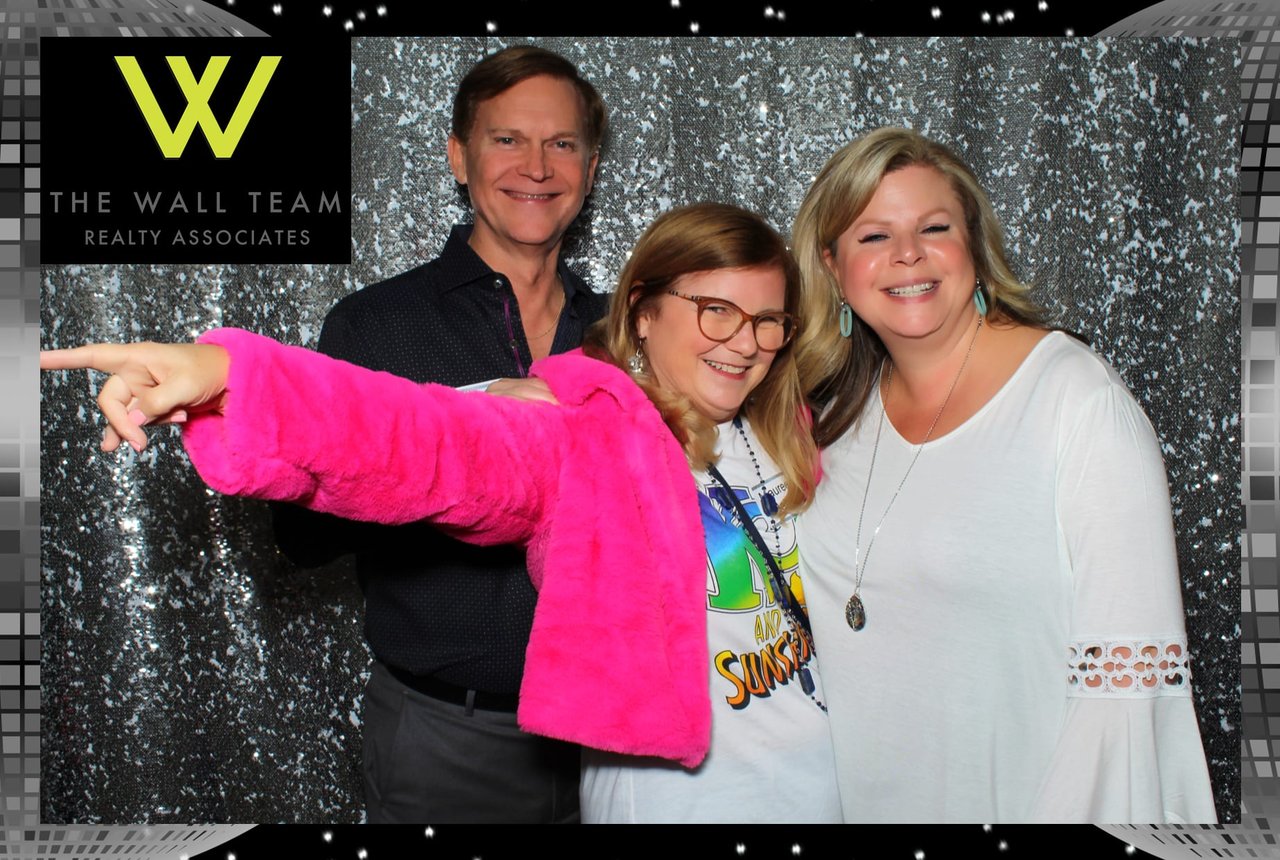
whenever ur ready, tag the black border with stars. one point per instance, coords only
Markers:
(684, 17)
(705, 842)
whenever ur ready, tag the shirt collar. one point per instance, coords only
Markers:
(464, 266)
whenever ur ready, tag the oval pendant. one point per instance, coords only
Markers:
(855, 613)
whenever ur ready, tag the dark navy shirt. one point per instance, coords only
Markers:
(433, 605)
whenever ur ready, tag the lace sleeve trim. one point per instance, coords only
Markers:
(1129, 668)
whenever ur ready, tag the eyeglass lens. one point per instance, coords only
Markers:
(722, 320)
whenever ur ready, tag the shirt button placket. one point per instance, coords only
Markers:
(498, 284)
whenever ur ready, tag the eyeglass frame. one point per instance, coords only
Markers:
(744, 318)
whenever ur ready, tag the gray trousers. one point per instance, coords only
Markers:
(428, 761)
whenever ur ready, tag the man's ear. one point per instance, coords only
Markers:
(591, 170)
(457, 151)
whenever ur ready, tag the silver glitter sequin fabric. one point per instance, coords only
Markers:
(191, 674)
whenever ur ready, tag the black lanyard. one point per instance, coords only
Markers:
(780, 589)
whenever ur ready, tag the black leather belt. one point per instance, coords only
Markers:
(446, 692)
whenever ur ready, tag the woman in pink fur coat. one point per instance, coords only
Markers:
(670, 637)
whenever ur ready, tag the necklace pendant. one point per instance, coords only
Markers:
(855, 613)
(806, 681)
(769, 503)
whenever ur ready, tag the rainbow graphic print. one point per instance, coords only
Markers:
(764, 652)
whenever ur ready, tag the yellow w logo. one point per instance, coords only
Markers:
(173, 141)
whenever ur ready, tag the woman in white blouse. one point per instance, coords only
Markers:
(990, 560)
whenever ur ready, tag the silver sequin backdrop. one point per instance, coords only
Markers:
(191, 674)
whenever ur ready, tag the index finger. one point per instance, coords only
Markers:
(107, 357)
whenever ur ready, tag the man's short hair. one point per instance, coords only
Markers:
(499, 72)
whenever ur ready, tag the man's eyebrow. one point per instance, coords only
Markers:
(515, 132)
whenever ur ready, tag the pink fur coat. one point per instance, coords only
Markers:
(597, 489)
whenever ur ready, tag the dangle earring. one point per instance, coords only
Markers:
(635, 363)
(846, 319)
(980, 297)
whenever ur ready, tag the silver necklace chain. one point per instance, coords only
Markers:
(773, 524)
(855, 612)
(556, 322)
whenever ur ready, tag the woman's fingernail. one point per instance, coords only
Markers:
(137, 417)
(135, 445)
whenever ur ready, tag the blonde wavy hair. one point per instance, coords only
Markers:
(700, 238)
(839, 372)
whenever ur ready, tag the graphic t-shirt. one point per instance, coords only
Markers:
(770, 758)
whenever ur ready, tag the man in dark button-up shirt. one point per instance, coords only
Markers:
(448, 623)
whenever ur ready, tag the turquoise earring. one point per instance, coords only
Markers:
(980, 298)
(846, 319)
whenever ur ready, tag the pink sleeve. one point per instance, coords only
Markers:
(299, 426)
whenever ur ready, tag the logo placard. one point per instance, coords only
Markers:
(198, 151)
